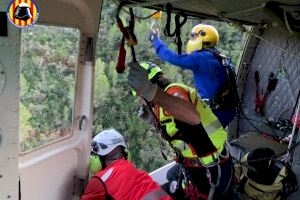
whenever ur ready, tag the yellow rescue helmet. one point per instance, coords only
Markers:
(202, 36)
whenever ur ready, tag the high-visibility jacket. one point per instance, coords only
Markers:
(206, 140)
(123, 182)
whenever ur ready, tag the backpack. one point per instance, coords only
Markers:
(227, 97)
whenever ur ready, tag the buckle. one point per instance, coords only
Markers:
(211, 103)
(215, 160)
(207, 101)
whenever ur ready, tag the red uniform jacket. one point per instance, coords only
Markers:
(123, 182)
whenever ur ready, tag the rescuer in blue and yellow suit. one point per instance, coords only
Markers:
(190, 127)
(210, 76)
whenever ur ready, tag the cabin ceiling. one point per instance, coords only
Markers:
(81, 14)
(283, 12)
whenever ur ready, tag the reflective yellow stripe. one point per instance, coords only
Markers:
(213, 127)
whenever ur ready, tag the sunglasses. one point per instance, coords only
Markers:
(196, 35)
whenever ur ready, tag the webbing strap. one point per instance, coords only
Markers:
(128, 34)
(178, 25)
(120, 67)
(131, 33)
(168, 26)
(177, 30)
(155, 195)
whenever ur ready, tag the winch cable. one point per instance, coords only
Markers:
(273, 157)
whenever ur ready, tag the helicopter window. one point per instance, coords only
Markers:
(47, 84)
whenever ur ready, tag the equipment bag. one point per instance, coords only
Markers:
(227, 97)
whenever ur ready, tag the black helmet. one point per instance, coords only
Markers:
(22, 12)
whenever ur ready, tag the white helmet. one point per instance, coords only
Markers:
(106, 141)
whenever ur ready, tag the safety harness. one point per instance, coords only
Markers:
(227, 97)
(186, 154)
(128, 35)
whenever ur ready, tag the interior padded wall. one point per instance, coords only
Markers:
(268, 59)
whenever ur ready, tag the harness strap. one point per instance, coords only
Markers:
(167, 28)
(227, 96)
(128, 34)
(214, 180)
(133, 40)
(178, 25)
(120, 67)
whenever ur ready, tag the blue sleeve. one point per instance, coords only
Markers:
(185, 61)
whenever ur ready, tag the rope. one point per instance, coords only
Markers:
(287, 23)
(140, 17)
(136, 16)
(274, 157)
(294, 128)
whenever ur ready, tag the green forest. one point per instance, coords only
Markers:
(48, 66)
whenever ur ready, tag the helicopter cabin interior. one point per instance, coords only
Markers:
(59, 170)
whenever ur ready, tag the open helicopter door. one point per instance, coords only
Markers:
(50, 161)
